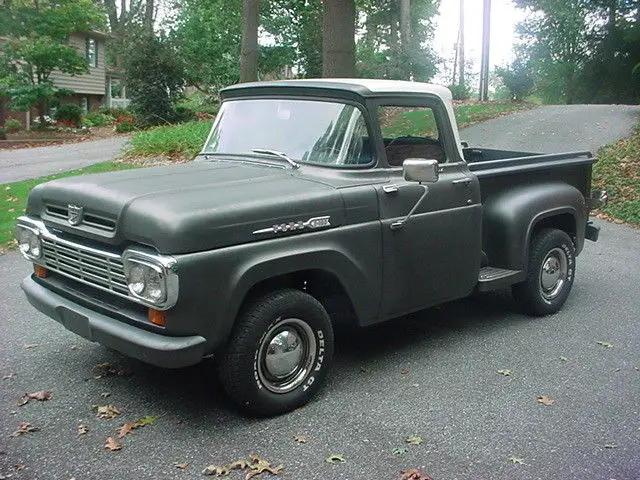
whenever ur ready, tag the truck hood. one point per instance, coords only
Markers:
(185, 208)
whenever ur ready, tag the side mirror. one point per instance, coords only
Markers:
(420, 170)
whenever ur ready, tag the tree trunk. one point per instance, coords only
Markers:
(249, 44)
(148, 16)
(405, 25)
(338, 38)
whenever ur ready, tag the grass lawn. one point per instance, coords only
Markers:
(13, 197)
(174, 141)
(618, 172)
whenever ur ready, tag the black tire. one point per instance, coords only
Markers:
(550, 274)
(265, 384)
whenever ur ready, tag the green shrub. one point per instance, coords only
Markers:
(184, 114)
(99, 119)
(69, 113)
(114, 112)
(13, 125)
(178, 141)
(3, 133)
(460, 92)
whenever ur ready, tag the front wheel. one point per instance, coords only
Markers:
(279, 353)
(550, 275)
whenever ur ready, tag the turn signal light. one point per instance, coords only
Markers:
(156, 317)
(40, 271)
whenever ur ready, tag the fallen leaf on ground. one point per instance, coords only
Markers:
(516, 460)
(400, 450)
(238, 465)
(109, 370)
(414, 475)
(259, 466)
(564, 359)
(25, 427)
(9, 376)
(405, 372)
(82, 429)
(215, 470)
(300, 439)
(544, 400)
(18, 468)
(505, 372)
(414, 440)
(75, 347)
(611, 445)
(105, 394)
(112, 444)
(605, 344)
(181, 466)
(107, 411)
(128, 427)
(335, 458)
(146, 420)
(32, 345)
(42, 395)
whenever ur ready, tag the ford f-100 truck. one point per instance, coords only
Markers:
(314, 203)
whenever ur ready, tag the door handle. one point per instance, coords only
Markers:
(466, 181)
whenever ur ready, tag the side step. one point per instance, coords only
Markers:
(492, 278)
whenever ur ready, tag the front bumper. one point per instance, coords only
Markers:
(149, 347)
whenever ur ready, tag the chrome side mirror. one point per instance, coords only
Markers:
(420, 170)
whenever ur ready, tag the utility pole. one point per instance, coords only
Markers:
(484, 67)
(461, 43)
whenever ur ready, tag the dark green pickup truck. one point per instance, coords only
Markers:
(313, 203)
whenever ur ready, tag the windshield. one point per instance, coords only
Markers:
(307, 131)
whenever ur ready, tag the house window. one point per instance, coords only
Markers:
(92, 52)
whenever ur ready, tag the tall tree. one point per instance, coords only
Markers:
(249, 45)
(33, 43)
(338, 38)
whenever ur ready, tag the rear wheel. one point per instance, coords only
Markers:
(279, 353)
(550, 273)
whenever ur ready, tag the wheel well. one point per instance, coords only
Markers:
(564, 221)
(320, 284)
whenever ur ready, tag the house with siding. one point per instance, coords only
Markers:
(100, 86)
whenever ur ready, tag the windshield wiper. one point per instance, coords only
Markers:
(275, 153)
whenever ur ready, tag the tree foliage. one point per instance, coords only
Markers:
(382, 50)
(155, 78)
(33, 44)
(582, 50)
(517, 79)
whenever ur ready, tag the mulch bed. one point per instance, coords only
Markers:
(46, 138)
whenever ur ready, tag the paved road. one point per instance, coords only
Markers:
(432, 374)
(556, 128)
(24, 163)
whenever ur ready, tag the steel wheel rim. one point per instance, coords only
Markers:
(553, 273)
(286, 354)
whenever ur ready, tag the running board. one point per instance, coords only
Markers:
(492, 278)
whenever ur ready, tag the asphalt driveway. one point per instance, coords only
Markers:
(24, 163)
(433, 375)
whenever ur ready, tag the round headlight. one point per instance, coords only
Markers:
(28, 242)
(155, 285)
(136, 279)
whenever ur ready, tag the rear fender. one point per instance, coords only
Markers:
(510, 218)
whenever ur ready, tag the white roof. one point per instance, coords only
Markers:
(382, 86)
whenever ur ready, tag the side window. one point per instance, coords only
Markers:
(91, 53)
(410, 132)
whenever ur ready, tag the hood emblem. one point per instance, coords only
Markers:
(75, 214)
(312, 223)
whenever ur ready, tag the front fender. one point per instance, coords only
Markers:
(510, 217)
(214, 285)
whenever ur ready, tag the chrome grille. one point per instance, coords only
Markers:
(89, 219)
(93, 267)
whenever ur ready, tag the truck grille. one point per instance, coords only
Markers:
(89, 219)
(93, 267)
